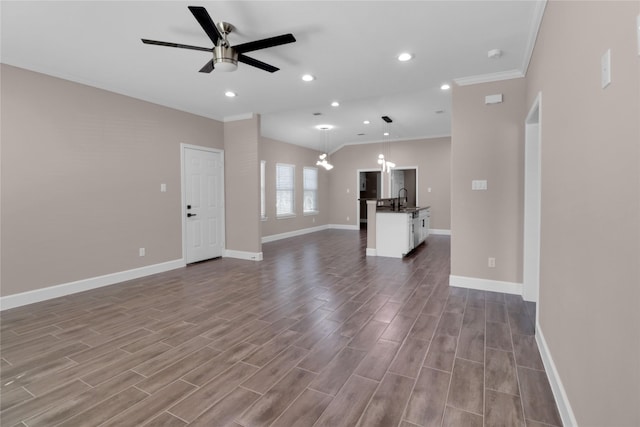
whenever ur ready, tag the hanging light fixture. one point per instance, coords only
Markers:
(323, 158)
(385, 164)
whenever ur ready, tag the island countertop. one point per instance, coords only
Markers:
(386, 209)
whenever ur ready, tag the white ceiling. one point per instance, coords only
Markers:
(350, 46)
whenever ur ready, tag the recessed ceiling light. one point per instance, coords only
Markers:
(230, 94)
(366, 122)
(439, 111)
(335, 104)
(386, 134)
(404, 57)
(445, 86)
(324, 127)
(317, 114)
(308, 78)
(361, 134)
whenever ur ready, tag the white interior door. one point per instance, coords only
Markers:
(204, 203)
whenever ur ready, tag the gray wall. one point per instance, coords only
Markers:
(590, 245)
(431, 156)
(81, 175)
(242, 185)
(487, 144)
(589, 306)
(273, 152)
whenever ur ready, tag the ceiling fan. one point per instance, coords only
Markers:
(225, 56)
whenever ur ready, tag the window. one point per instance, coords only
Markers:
(263, 208)
(285, 190)
(310, 204)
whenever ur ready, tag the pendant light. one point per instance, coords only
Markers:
(385, 164)
(323, 159)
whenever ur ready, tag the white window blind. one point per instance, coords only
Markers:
(310, 176)
(263, 208)
(285, 194)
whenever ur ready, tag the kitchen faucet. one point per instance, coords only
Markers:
(405, 198)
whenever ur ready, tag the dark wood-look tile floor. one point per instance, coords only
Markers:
(317, 334)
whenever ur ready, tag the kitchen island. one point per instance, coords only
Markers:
(398, 232)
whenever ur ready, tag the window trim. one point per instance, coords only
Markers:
(293, 192)
(263, 190)
(316, 211)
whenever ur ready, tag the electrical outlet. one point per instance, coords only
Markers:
(492, 262)
(142, 252)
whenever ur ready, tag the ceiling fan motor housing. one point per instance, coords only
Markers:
(225, 58)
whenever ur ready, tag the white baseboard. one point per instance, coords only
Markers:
(343, 227)
(559, 393)
(274, 237)
(372, 252)
(37, 295)
(249, 256)
(485, 285)
(439, 231)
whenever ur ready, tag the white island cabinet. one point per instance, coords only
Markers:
(398, 233)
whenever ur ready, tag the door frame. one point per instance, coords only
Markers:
(183, 196)
(358, 190)
(417, 181)
(532, 203)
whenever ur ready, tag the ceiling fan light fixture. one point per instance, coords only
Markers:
(225, 58)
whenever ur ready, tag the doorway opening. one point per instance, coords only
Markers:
(370, 185)
(375, 185)
(404, 178)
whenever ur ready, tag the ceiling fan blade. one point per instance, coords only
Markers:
(258, 64)
(182, 46)
(264, 43)
(205, 21)
(208, 67)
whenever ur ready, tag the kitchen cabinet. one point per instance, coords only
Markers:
(424, 216)
(399, 232)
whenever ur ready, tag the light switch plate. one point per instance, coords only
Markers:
(606, 68)
(479, 184)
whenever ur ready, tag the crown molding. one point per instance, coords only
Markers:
(487, 78)
(416, 138)
(538, 13)
(245, 116)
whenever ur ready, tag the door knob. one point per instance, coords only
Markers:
(189, 215)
